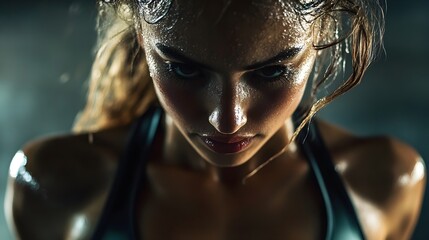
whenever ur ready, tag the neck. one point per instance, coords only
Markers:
(178, 151)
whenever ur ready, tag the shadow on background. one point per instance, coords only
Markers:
(46, 52)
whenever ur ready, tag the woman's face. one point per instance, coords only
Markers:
(229, 76)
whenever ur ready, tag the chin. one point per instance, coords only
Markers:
(225, 164)
(226, 160)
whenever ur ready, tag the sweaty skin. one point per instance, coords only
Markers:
(210, 72)
(227, 97)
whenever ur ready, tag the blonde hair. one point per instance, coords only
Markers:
(120, 88)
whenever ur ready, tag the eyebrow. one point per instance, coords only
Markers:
(180, 56)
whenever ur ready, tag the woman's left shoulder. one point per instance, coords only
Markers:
(381, 173)
(373, 161)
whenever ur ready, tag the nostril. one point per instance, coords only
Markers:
(228, 122)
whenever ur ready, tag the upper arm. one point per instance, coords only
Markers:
(53, 181)
(30, 213)
(386, 178)
(410, 181)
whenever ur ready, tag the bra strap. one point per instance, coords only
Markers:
(117, 218)
(342, 221)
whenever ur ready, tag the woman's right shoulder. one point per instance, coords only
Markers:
(53, 178)
(63, 158)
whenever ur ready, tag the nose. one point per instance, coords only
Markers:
(229, 115)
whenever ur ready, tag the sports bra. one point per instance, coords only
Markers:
(117, 219)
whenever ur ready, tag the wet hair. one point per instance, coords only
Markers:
(120, 87)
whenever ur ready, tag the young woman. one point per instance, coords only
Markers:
(197, 126)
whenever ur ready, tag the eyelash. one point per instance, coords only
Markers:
(281, 77)
(255, 77)
(173, 67)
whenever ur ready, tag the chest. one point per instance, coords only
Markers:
(204, 211)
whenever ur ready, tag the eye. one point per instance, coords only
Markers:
(183, 70)
(271, 72)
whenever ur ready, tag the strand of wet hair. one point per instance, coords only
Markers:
(304, 123)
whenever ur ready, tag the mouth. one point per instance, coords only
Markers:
(225, 145)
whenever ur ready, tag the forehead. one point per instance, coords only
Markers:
(230, 30)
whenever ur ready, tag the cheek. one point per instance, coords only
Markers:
(270, 111)
(182, 104)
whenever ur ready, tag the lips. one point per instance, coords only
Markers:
(226, 145)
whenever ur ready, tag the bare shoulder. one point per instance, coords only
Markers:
(54, 178)
(385, 178)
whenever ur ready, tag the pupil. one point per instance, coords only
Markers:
(271, 71)
(186, 70)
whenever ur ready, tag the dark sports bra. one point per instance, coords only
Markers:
(117, 219)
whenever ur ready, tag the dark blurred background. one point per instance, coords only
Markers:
(46, 48)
